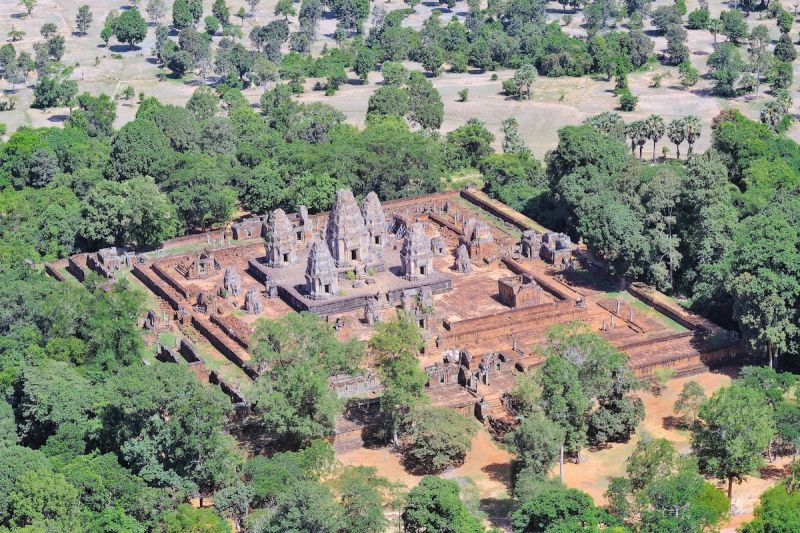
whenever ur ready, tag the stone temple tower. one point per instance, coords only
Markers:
(375, 220)
(346, 234)
(279, 240)
(322, 279)
(416, 255)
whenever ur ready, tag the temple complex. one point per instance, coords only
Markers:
(481, 281)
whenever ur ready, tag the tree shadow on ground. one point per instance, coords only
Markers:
(500, 472)
(497, 511)
(672, 422)
(120, 48)
(773, 473)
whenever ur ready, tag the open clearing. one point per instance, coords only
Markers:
(488, 465)
(556, 102)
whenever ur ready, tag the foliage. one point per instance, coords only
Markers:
(536, 442)
(434, 505)
(557, 508)
(689, 401)
(296, 355)
(778, 510)
(734, 428)
(130, 27)
(440, 437)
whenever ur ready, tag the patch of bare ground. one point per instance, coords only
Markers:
(556, 102)
(486, 464)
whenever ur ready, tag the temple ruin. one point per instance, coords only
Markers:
(346, 232)
(322, 278)
(280, 240)
(375, 222)
(484, 289)
(416, 254)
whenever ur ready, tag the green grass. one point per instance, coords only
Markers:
(498, 223)
(68, 278)
(647, 310)
(195, 247)
(228, 371)
(168, 339)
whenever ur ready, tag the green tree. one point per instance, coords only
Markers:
(112, 519)
(652, 459)
(537, 443)
(28, 5)
(95, 115)
(43, 499)
(676, 133)
(184, 449)
(564, 402)
(233, 502)
(523, 80)
(677, 51)
(434, 505)
(130, 27)
(389, 100)
(655, 130)
(188, 519)
(395, 346)
(181, 14)
(394, 73)
(440, 437)
(196, 10)
(512, 140)
(137, 148)
(734, 26)
(48, 29)
(784, 49)
(305, 506)
(292, 397)
(693, 130)
(734, 428)
(221, 11)
(778, 510)
(689, 401)
(557, 508)
(361, 493)
(726, 66)
(468, 144)
(284, 8)
(83, 20)
(427, 109)
(203, 103)
(432, 59)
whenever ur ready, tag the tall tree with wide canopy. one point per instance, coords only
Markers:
(395, 346)
(734, 428)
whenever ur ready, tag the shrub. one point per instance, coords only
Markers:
(698, 19)
(627, 101)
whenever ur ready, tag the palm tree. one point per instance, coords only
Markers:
(693, 128)
(640, 134)
(676, 131)
(654, 126)
(523, 79)
(635, 131)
